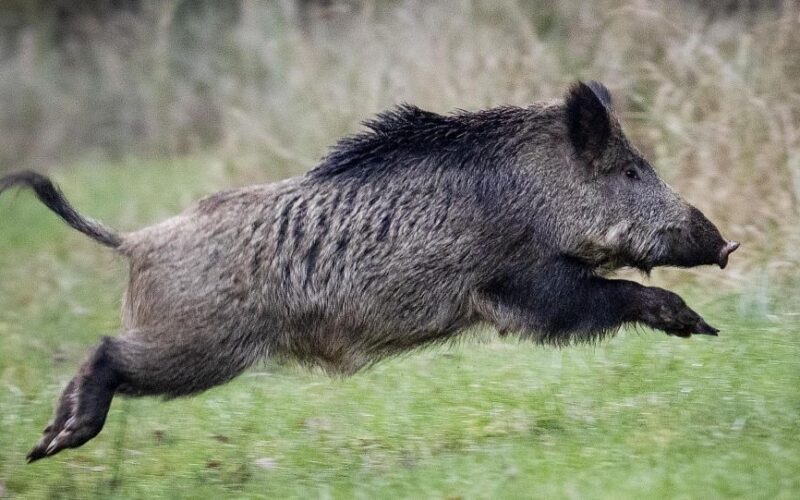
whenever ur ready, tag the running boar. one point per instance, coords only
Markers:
(404, 235)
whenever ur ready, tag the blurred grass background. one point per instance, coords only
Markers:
(139, 107)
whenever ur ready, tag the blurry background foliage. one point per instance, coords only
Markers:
(709, 90)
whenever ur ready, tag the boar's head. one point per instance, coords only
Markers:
(624, 214)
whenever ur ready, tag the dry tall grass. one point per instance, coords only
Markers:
(712, 96)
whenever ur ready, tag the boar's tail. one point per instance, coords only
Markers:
(49, 194)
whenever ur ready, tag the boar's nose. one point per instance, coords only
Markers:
(728, 249)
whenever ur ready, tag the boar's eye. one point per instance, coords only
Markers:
(631, 173)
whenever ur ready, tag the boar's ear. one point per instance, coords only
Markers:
(588, 118)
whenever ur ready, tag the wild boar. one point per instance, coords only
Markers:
(405, 235)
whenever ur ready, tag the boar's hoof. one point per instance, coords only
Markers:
(704, 328)
(668, 312)
(728, 249)
(74, 433)
(698, 328)
(686, 323)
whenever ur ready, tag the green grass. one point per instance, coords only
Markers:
(641, 414)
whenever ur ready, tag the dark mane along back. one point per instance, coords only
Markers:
(406, 135)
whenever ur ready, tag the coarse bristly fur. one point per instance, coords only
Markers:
(405, 235)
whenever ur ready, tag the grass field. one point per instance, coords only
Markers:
(641, 414)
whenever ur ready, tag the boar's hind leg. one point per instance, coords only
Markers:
(182, 363)
(82, 407)
(576, 307)
(140, 363)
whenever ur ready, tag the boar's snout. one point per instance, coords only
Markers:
(700, 243)
(728, 249)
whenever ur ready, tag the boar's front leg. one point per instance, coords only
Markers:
(573, 305)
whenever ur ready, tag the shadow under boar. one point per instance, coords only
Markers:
(404, 235)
